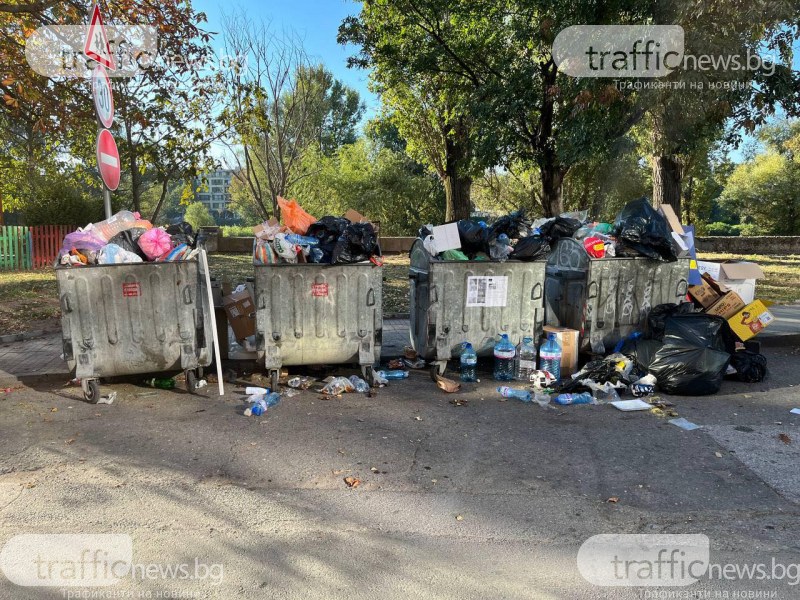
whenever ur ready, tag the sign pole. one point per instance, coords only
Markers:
(107, 201)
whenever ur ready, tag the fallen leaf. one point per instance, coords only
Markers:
(54, 409)
(70, 440)
(784, 438)
(613, 500)
(352, 482)
(447, 385)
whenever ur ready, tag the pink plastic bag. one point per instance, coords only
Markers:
(155, 242)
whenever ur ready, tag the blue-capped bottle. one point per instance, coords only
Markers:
(469, 360)
(504, 354)
(550, 356)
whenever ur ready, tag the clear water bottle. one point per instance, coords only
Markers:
(261, 403)
(301, 240)
(507, 392)
(504, 354)
(550, 356)
(526, 360)
(389, 375)
(121, 221)
(468, 362)
(567, 399)
(500, 248)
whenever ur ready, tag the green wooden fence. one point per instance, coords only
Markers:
(16, 248)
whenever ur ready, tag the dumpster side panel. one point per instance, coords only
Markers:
(442, 319)
(134, 318)
(315, 314)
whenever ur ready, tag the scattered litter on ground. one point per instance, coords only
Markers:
(459, 518)
(631, 405)
(447, 385)
(459, 402)
(613, 500)
(795, 411)
(684, 424)
(108, 399)
(784, 438)
(718, 454)
(352, 482)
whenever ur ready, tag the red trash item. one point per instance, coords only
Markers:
(595, 247)
(294, 217)
(155, 243)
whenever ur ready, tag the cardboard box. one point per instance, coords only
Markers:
(241, 313)
(751, 320)
(669, 214)
(568, 340)
(707, 293)
(737, 276)
(727, 306)
(355, 217)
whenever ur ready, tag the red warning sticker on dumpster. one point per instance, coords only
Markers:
(319, 289)
(130, 290)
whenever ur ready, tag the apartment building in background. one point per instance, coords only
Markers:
(213, 190)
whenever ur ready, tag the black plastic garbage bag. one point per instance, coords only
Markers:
(558, 228)
(357, 243)
(328, 230)
(657, 319)
(515, 225)
(127, 240)
(182, 233)
(751, 367)
(640, 228)
(531, 248)
(693, 360)
(474, 237)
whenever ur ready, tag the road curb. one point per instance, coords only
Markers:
(24, 336)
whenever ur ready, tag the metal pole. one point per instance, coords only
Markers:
(107, 201)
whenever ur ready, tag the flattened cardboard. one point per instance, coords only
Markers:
(568, 340)
(669, 214)
(241, 313)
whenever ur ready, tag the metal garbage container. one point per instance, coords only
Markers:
(312, 314)
(453, 302)
(608, 299)
(130, 319)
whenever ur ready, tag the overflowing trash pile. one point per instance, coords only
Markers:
(127, 238)
(304, 239)
(639, 230)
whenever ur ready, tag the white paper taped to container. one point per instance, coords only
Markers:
(446, 237)
(487, 291)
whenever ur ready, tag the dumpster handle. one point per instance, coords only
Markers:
(434, 294)
(593, 289)
(371, 297)
(66, 304)
(682, 289)
(536, 292)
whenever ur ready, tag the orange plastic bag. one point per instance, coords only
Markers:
(294, 217)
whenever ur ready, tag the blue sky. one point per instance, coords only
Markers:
(315, 21)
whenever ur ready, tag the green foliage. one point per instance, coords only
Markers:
(60, 201)
(721, 229)
(197, 216)
(381, 184)
(237, 230)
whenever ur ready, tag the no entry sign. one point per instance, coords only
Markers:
(103, 97)
(108, 159)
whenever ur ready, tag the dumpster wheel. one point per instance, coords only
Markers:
(91, 390)
(191, 381)
(368, 371)
(274, 376)
(438, 369)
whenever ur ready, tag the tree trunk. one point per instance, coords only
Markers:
(157, 210)
(552, 184)
(667, 182)
(457, 197)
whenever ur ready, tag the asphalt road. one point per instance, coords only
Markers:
(489, 499)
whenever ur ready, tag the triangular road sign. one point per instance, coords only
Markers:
(97, 46)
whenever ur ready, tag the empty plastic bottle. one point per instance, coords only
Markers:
(500, 248)
(504, 353)
(565, 399)
(550, 356)
(468, 362)
(393, 374)
(301, 240)
(526, 360)
(507, 392)
(163, 383)
(358, 383)
(121, 221)
(256, 390)
(261, 403)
